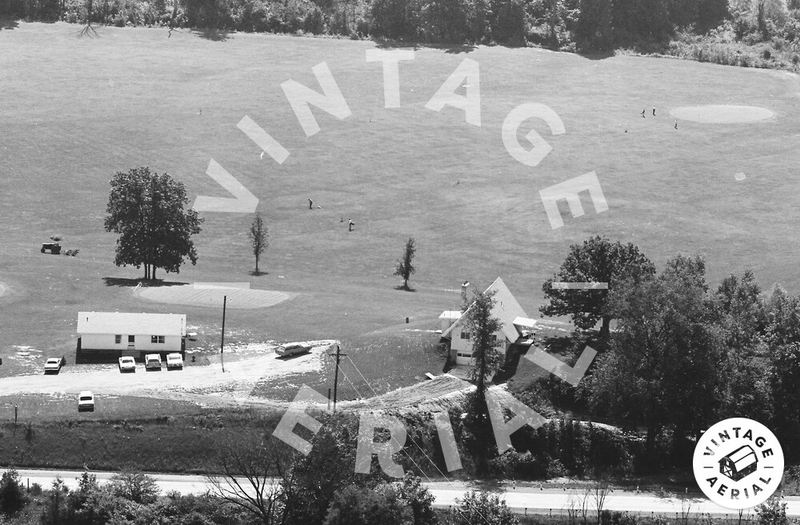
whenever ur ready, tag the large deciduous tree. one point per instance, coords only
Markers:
(155, 231)
(662, 369)
(596, 260)
(740, 315)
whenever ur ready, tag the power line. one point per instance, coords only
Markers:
(448, 480)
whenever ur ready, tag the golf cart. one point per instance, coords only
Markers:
(54, 247)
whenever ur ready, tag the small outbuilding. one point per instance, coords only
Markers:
(134, 334)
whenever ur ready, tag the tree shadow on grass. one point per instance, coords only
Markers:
(122, 282)
(405, 288)
(258, 274)
(463, 48)
(213, 34)
(597, 55)
(8, 23)
(388, 43)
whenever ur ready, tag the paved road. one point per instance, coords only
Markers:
(522, 499)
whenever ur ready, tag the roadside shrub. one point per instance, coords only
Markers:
(12, 494)
(135, 486)
(772, 512)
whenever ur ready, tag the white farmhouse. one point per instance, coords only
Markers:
(515, 326)
(131, 333)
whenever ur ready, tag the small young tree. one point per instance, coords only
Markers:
(405, 267)
(259, 237)
(12, 496)
(55, 511)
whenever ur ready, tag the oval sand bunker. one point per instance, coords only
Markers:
(211, 296)
(722, 114)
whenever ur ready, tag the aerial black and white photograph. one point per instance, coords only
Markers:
(400, 262)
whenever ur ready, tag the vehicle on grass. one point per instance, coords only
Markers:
(86, 401)
(53, 365)
(53, 247)
(152, 362)
(127, 364)
(174, 360)
(291, 349)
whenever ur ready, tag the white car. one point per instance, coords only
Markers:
(53, 365)
(127, 364)
(174, 360)
(152, 362)
(290, 349)
(86, 401)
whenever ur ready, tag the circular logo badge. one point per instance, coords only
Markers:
(738, 463)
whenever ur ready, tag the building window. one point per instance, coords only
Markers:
(131, 339)
(117, 339)
(465, 335)
(157, 339)
(493, 340)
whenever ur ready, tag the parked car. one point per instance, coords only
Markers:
(86, 401)
(290, 349)
(174, 360)
(152, 362)
(53, 365)
(127, 364)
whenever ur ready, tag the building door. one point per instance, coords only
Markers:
(131, 342)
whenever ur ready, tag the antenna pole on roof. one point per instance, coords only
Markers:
(222, 342)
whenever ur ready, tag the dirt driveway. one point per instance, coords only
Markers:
(243, 368)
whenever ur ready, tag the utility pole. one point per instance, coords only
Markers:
(338, 355)
(222, 342)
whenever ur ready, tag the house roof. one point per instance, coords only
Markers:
(131, 323)
(506, 309)
(450, 314)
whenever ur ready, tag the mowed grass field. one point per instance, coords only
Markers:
(74, 111)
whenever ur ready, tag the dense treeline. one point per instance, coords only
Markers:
(683, 356)
(763, 33)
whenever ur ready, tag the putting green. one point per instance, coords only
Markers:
(722, 114)
(212, 296)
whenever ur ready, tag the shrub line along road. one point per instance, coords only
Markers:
(522, 499)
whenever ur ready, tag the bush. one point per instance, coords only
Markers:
(480, 507)
(12, 495)
(772, 512)
(135, 487)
